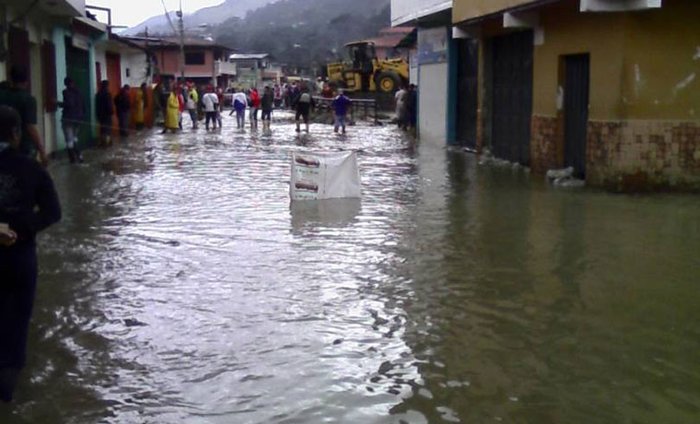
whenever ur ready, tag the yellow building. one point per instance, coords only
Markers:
(609, 87)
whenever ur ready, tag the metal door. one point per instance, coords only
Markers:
(512, 96)
(576, 89)
(467, 95)
(78, 69)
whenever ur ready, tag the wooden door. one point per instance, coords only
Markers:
(114, 76)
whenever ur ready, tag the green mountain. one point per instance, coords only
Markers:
(305, 33)
(213, 15)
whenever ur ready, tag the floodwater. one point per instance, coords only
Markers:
(182, 288)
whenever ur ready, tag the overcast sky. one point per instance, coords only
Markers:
(133, 12)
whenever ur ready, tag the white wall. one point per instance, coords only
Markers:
(413, 67)
(137, 64)
(432, 103)
(404, 11)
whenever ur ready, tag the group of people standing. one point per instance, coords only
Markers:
(255, 102)
(185, 97)
(124, 105)
(298, 98)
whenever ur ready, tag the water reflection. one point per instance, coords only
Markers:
(183, 287)
(528, 309)
(332, 213)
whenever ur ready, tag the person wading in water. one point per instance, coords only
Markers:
(28, 205)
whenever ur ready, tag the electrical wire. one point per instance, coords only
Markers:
(167, 15)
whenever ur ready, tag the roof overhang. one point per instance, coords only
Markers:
(252, 56)
(90, 26)
(618, 5)
(513, 7)
(59, 8)
(62, 7)
(435, 13)
(523, 6)
(74, 7)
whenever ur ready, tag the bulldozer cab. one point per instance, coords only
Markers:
(362, 55)
(362, 71)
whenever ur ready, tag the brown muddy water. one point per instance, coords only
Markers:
(182, 288)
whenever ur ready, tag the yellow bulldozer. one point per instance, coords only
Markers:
(362, 71)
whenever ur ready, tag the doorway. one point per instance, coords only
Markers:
(114, 76)
(576, 96)
(467, 94)
(78, 69)
(511, 93)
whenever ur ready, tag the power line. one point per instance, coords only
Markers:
(181, 32)
(167, 15)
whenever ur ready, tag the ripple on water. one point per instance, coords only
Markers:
(183, 287)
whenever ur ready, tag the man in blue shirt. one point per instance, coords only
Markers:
(340, 105)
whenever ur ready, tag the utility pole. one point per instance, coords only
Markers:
(149, 67)
(182, 43)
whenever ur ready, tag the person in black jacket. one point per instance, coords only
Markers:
(28, 205)
(16, 95)
(73, 115)
(104, 110)
(412, 106)
(123, 103)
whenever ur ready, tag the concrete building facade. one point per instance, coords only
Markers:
(203, 59)
(35, 37)
(609, 88)
(434, 73)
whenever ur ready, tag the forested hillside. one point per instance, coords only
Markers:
(211, 16)
(305, 33)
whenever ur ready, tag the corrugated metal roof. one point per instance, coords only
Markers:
(248, 56)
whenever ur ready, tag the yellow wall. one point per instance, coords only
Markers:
(567, 31)
(661, 74)
(463, 10)
(644, 64)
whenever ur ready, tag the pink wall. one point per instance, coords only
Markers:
(169, 63)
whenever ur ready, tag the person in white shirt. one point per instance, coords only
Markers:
(240, 102)
(211, 106)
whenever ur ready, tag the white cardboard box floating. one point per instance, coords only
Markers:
(324, 175)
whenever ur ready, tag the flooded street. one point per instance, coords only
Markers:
(181, 287)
